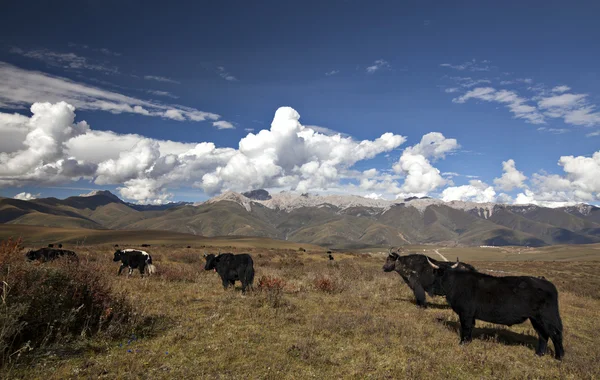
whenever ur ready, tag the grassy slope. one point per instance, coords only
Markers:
(35, 235)
(368, 327)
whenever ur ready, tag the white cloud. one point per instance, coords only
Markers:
(19, 87)
(593, 134)
(475, 191)
(556, 131)
(572, 108)
(380, 64)
(55, 149)
(222, 124)
(332, 72)
(26, 196)
(64, 60)
(225, 75)
(161, 79)
(451, 90)
(162, 93)
(472, 65)
(511, 177)
(326, 131)
(561, 89)
(516, 104)
(580, 183)
(420, 176)
(249, 129)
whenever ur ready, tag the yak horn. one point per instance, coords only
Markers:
(455, 265)
(205, 254)
(432, 264)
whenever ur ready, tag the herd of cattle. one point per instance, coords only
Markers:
(472, 295)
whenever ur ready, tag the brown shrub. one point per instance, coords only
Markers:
(328, 284)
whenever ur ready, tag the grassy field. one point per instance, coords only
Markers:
(312, 318)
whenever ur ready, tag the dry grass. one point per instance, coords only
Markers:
(289, 327)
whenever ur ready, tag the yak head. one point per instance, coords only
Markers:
(390, 262)
(33, 255)
(118, 255)
(211, 261)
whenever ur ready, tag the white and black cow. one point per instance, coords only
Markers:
(134, 258)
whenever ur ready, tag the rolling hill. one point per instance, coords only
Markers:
(331, 220)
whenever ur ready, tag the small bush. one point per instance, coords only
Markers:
(54, 302)
(328, 284)
(270, 283)
(272, 288)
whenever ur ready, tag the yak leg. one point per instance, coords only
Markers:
(543, 336)
(466, 328)
(226, 283)
(142, 267)
(123, 266)
(419, 293)
(130, 272)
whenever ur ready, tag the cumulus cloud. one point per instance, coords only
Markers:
(511, 177)
(26, 196)
(420, 176)
(54, 149)
(475, 191)
(580, 183)
(20, 88)
(380, 64)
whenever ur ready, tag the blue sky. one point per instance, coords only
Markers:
(499, 82)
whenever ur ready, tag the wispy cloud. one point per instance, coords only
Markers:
(225, 75)
(162, 93)
(472, 65)
(451, 90)
(518, 80)
(161, 79)
(516, 104)
(556, 131)
(574, 109)
(380, 64)
(222, 124)
(19, 87)
(104, 51)
(332, 72)
(593, 134)
(560, 89)
(249, 129)
(64, 60)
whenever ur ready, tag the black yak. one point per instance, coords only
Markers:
(503, 300)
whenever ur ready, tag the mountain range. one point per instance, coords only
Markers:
(337, 221)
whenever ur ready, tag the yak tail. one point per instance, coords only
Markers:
(151, 269)
(249, 275)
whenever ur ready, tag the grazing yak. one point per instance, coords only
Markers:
(417, 274)
(49, 254)
(232, 268)
(503, 300)
(134, 258)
